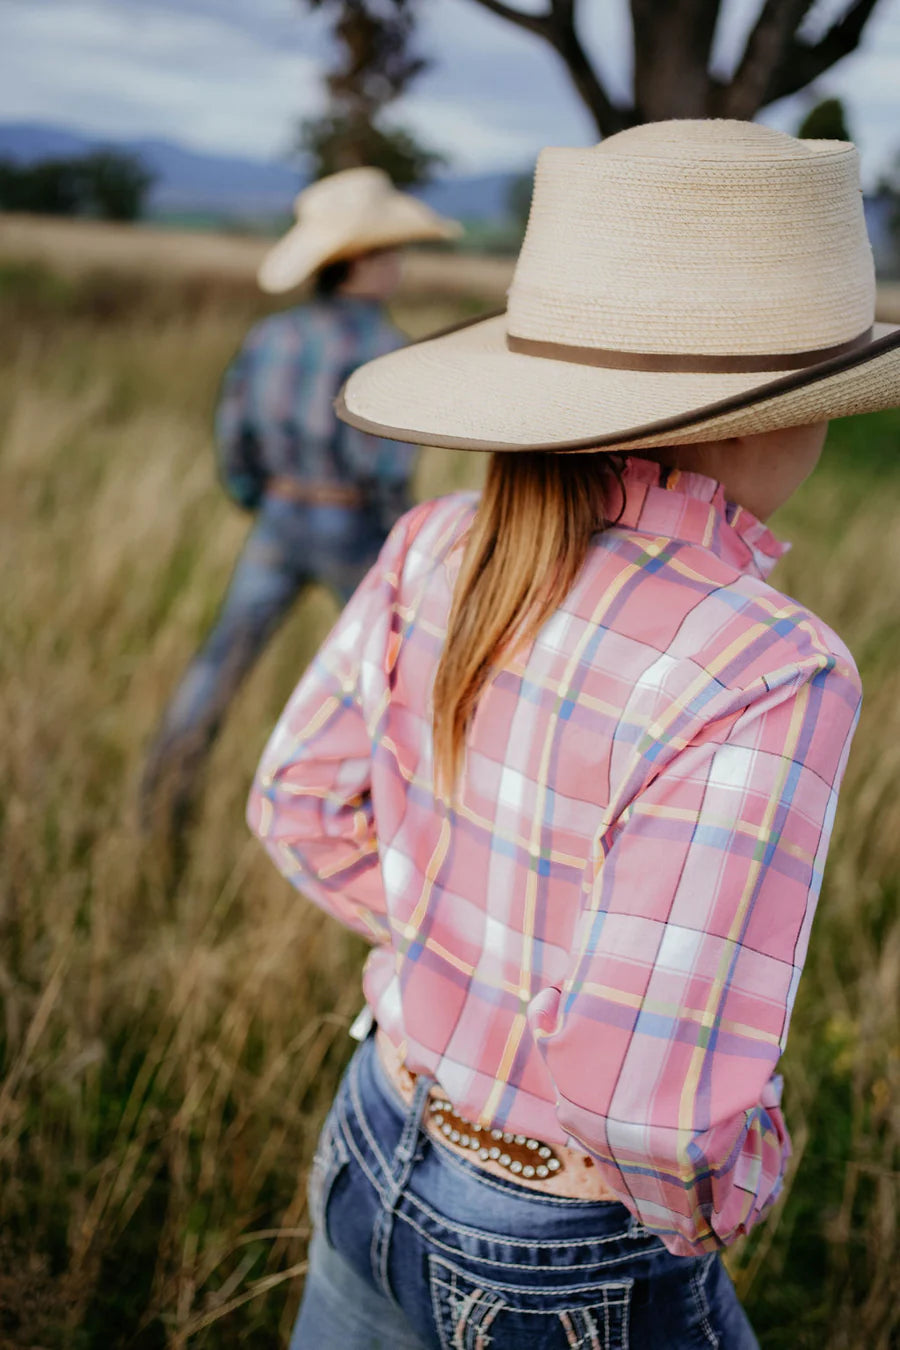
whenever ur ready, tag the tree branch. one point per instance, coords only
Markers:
(608, 117)
(803, 63)
(706, 16)
(533, 23)
(557, 27)
(770, 38)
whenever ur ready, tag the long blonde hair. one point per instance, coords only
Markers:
(524, 549)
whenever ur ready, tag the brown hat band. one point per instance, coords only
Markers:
(687, 363)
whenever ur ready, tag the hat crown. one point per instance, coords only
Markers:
(696, 237)
(692, 140)
(349, 190)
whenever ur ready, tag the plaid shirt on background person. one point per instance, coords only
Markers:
(275, 417)
(600, 943)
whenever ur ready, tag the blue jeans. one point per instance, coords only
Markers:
(416, 1247)
(289, 546)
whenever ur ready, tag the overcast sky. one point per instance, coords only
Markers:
(234, 76)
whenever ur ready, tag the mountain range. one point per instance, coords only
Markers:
(251, 191)
(191, 181)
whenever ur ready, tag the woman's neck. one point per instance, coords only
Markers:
(758, 472)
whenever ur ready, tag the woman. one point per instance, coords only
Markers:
(325, 495)
(570, 763)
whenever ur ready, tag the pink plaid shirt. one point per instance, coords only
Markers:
(600, 943)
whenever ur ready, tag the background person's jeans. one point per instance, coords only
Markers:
(290, 545)
(416, 1247)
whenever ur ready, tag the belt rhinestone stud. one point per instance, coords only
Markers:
(518, 1153)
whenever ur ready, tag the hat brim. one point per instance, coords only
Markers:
(464, 389)
(307, 247)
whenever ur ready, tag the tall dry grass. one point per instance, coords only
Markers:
(168, 1049)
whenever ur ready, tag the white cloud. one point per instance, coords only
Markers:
(474, 140)
(235, 75)
(139, 70)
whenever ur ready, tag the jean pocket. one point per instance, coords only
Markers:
(331, 1157)
(471, 1313)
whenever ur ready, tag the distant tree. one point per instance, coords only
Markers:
(106, 184)
(518, 198)
(376, 64)
(114, 184)
(50, 187)
(345, 141)
(827, 121)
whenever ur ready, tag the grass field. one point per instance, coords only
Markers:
(167, 1049)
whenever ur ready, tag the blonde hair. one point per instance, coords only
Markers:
(524, 550)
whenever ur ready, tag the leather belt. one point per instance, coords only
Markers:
(315, 494)
(498, 1152)
(518, 1153)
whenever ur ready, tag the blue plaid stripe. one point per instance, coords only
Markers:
(275, 416)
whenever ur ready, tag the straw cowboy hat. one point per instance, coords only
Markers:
(349, 213)
(681, 281)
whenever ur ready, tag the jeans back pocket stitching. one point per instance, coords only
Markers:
(578, 1324)
(614, 1296)
(621, 1304)
(490, 1309)
(434, 1285)
(626, 1323)
(485, 1310)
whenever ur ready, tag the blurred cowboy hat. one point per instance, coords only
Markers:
(682, 281)
(342, 216)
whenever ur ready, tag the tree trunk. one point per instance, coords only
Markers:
(672, 46)
(665, 86)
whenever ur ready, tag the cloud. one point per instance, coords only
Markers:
(494, 95)
(143, 69)
(475, 51)
(476, 141)
(234, 76)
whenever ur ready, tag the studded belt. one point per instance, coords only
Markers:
(522, 1155)
(530, 1162)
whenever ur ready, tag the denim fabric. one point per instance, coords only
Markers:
(289, 546)
(415, 1246)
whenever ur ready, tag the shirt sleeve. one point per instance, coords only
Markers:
(311, 801)
(663, 1038)
(237, 446)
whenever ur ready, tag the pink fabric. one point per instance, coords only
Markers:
(601, 944)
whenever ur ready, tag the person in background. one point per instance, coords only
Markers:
(325, 495)
(570, 763)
